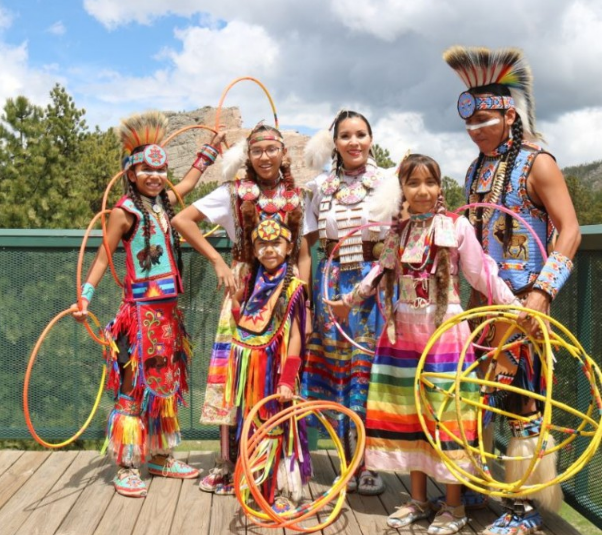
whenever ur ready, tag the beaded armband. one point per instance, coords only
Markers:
(205, 157)
(87, 291)
(554, 274)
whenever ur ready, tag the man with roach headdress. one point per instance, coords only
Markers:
(514, 171)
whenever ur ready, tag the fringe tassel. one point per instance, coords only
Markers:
(127, 438)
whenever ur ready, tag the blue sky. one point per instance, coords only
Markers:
(381, 57)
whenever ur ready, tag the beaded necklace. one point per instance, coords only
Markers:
(154, 207)
(271, 200)
(488, 182)
(353, 193)
(417, 240)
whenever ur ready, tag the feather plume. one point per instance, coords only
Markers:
(142, 129)
(478, 66)
(318, 150)
(234, 159)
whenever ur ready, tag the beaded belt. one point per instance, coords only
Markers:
(370, 249)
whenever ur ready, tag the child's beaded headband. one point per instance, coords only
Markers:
(270, 230)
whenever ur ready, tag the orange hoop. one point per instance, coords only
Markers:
(244, 467)
(232, 84)
(27, 379)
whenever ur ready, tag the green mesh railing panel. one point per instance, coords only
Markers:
(37, 280)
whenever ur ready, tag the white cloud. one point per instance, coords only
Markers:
(195, 74)
(6, 18)
(58, 28)
(406, 131)
(18, 78)
(575, 137)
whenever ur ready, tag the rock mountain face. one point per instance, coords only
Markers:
(182, 150)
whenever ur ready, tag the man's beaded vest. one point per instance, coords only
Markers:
(162, 280)
(521, 263)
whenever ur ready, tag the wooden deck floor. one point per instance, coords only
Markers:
(71, 493)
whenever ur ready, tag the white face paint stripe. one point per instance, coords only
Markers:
(491, 122)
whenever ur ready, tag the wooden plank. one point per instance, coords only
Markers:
(7, 458)
(19, 472)
(193, 512)
(324, 475)
(370, 512)
(226, 516)
(122, 512)
(54, 507)
(88, 510)
(24, 502)
(159, 506)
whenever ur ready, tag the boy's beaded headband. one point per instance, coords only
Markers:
(271, 230)
(469, 104)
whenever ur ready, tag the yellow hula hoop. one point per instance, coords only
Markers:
(481, 480)
(32, 360)
(231, 85)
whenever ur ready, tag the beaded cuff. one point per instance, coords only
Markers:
(205, 157)
(87, 291)
(554, 274)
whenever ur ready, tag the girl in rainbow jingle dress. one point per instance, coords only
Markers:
(266, 351)
(149, 350)
(269, 188)
(422, 256)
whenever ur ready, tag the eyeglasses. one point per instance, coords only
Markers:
(148, 172)
(271, 151)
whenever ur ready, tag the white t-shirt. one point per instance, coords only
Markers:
(217, 208)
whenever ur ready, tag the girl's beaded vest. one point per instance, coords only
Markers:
(522, 261)
(162, 280)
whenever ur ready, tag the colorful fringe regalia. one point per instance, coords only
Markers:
(395, 439)
(257, 360)
(214, 411)
(148, 335)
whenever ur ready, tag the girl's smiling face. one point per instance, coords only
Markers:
(149, 181)
(421, 190)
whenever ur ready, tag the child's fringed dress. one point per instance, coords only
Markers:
(257, 360)
(395, 439)
(147, 335)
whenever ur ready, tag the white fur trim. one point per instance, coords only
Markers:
(234, 159)
(318, 150)
(549, 498)
(385, 201)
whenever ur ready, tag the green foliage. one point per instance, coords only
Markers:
(53, 170)
(588, 204)
(453, 193)
(382, 157)
(204, 189)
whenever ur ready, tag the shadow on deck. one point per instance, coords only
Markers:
(70, 492)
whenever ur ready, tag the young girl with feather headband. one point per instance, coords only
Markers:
(269, 188)
(513, 170)
(422, 257)
(267, 349)
(342, 200)
(149, 352)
